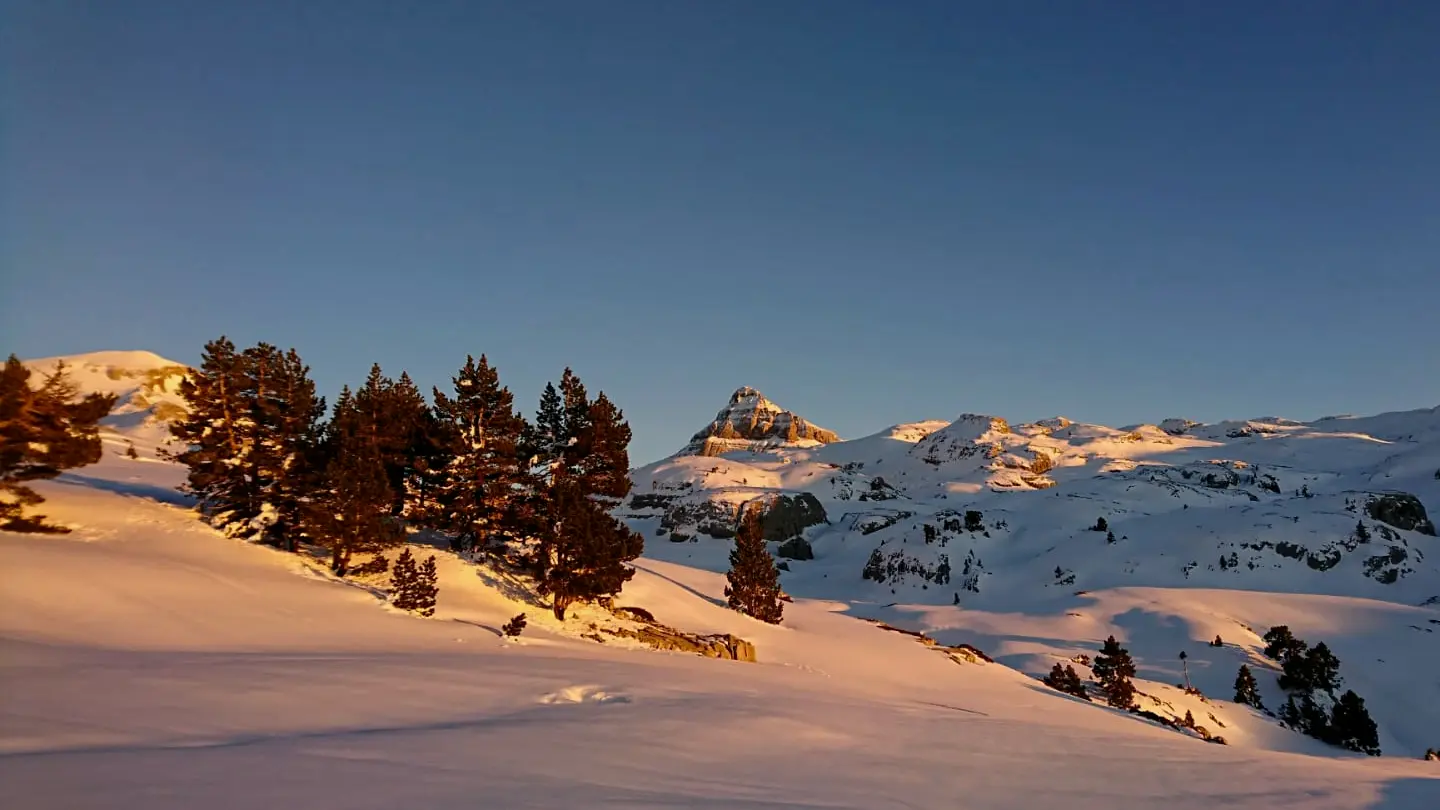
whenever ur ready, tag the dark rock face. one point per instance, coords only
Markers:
(788, 516)
(713, 518)
(1401, 510)
(796, 548)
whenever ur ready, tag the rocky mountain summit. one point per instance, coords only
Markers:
(752, 422)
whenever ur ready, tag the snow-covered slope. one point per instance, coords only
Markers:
(983, 531)
(148, 661)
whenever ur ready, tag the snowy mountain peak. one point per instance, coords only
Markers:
(749, 421)
(146, 385)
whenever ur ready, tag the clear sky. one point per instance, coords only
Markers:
(874, 212)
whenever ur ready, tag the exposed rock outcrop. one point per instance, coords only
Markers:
(752, 422)
(788, 516)
(1401, 510)
(650, 632)
(796, 548)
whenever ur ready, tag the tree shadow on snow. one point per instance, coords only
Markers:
(133, 489)
(677, 583)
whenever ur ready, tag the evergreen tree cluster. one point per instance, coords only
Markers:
(1066, 680)
(43, 430)
(1310, 676)
(264, 463)
(413, 586)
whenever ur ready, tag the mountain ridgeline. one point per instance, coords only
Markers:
(956, 512)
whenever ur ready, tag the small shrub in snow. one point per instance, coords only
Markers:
(1100, 525)
(974, 521)
(1431, 755)
(1217, 642)
(515, 626)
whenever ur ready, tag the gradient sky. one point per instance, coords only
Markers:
(873, 212)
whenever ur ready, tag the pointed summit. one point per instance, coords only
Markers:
(752, 422)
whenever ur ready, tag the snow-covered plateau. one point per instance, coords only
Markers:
(149, 662)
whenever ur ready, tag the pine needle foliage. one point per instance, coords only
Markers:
(753, 580)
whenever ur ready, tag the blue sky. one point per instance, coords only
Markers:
(873, 212)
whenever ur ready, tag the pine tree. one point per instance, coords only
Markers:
(399, 422)
(427, 587)
(1113, 669)
(547, 435)
(1189, 721)
(411, 587)
(1351, 726)
(1282, 645)
(250, 439)
(602, 450)
(1361, 534)
(216, 435)
(585, 553)
(1322, 668)
(287, 439)
(350, 512)
(1246, 690)
(42, 431)
(577, 420)
(483, 481)
(753, 581)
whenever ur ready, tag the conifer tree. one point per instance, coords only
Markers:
(250, 438)
(286, 419)
(1361, 534)
(1351, 726)
(602, 450)
(1282, 645)
(398, 420)
(1066, 680)
(753, 581)
(585, 555)
(547, 435)
(1246, 690)
(350, 512)
(216, 436)
(1113, 669)
(577, 419)
(476, 503)
(414, 587)
(43, 431)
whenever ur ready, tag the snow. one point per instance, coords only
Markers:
(148, 661)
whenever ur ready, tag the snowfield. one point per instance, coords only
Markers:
(148, 662)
